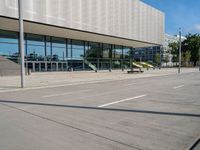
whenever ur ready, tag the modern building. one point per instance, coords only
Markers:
(63, 35)
(167, 50)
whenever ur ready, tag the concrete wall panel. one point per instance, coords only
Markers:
(131, 19)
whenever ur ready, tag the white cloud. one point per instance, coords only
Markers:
(197, 27)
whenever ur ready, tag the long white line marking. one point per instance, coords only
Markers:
(62, 94)
(123, 100)
(177, 87)
(130, 84)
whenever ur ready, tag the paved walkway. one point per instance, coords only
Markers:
(64, 78)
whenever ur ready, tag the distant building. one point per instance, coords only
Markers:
(167, 50)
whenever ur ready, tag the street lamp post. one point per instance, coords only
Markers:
(21, 42)
(179, 67)
(199, 57)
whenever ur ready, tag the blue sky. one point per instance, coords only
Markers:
(179, 13)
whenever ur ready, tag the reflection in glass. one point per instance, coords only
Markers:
(9, 45)
(77, 49)
(117, 52)
(106, 51)
(35, 47)
(58, 49)
(92, 50)
(126, 52)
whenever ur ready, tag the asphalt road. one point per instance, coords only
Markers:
(155, 113)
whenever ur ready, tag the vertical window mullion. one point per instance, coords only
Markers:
(26, 45)
(71, 49)
(84, 49)
(66, 43)
(45, 45)
(51, 48)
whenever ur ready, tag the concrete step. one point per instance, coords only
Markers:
(8, 67)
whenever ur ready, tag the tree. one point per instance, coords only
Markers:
(192, 44)
(174, 51)
(187, 57)
(157, 59)
(166, 59)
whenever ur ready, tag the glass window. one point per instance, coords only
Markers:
(92, 50)
(117, 52)
(77, 49)
(69, 48)
(9, 44)
(106, 50)
(126, 52)
(35, 47)
(58, 49)
(48, 48)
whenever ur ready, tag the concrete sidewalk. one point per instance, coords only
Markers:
(46, 79)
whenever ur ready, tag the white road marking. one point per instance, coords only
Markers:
(76, 83)
(3, 88)
(130, 84)
(179, 86)
(55, 86)
(62, 94)
(123, 100)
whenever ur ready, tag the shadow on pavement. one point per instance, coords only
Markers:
(104, 109)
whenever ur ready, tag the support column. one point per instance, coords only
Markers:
(21, 42)
(83, 64)
(179, 67)
(110, 69)
(122, 65)
(62, 67)
(97, 63)
(51, 67)
(33, 66)
(122, 59)
(40, 69)
(46, 66)
(56, 66)
(110, 60)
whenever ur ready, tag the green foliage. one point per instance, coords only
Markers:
(192, 45)
(157, 59)
(174, 51)
(187, 56)
(166, 59)
(190, 48)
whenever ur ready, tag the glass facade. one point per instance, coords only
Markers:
(9, 45)
(34, 47)
(147, 54)
(58, 46)
(46, 53)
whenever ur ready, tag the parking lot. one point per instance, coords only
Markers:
(146, 113)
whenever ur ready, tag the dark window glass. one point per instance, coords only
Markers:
(92, 50)
(77, 49)
(117, 52)
(126, 52)
(8, 37)
(58, 49)
(35, 47)
(106, 50)
(69, 49)
(48, 48)
(9, 44)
